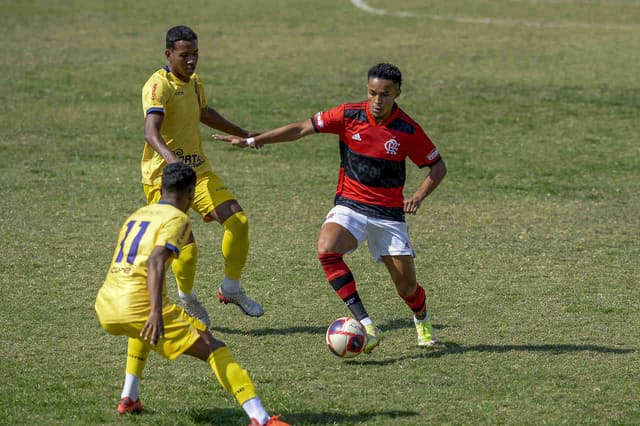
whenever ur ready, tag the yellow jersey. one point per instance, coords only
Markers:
(124, 296)
(180, 102)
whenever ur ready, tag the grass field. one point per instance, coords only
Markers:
(529, 249)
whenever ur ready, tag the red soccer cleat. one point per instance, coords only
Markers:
(273, 421)
(126, 406)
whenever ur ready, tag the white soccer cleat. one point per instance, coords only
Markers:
(240, 298)
(195, 309)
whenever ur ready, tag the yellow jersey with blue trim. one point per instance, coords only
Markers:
(180, 102)
(124, 296)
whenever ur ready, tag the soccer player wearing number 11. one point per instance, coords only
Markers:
(375, 137)
(133, 300)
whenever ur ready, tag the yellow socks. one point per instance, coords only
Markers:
(137, 353)
(235, 244)
(184, 268)
(233, 378)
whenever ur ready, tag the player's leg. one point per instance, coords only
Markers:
(339, 235)
(184, 267)
(403, 273)
(182, 332)
(216, 203)
(137, 353)
(184, 270)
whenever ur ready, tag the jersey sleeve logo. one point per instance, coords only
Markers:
(391, 146)
(318, 119)
(433, 154)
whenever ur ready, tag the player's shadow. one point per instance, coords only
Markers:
(451, 348)
(305, 329)
(271, 331)
(222, 417)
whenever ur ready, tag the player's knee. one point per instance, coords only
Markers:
(238, 224)
(211, 342)
(326, 246)
(189, 253)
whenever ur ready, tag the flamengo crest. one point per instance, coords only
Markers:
(392, 146)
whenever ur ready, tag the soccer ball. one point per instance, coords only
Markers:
(346, 337)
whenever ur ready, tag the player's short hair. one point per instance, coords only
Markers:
(178, 178)
(386, 72)
(178, 33)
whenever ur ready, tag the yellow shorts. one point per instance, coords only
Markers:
(210, 193)
(180, 331)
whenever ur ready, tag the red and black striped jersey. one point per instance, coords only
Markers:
(372, 157)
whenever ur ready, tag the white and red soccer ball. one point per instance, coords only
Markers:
(346, 337)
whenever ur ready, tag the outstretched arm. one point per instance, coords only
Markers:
(287, 133)
(214, 119)
(431, 182)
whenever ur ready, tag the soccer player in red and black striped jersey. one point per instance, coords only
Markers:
(375, 137)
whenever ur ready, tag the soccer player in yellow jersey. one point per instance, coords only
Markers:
(133, 299)
(174, 104)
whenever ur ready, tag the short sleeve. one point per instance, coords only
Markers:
(423, 153)
(154, 95)
(330, 121)
(174, 234)
(202, 99)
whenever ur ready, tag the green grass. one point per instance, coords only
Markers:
(529, 249)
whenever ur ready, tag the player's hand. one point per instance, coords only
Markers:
(153, 329)
(411, 205)
(236, 141)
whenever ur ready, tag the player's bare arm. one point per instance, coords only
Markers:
(152, 125)
(154, 326)
(215, 120)
(287, 133)
(431, 182)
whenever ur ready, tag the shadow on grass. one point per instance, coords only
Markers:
(396, 324)
(451, 348)
(230, 417)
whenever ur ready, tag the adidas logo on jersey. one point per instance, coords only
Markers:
(356, 137)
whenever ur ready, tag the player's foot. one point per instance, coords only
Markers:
(127, 406)
(196, 310)
(374, 337)
(426, 338)
(247, 304)
(273, 421)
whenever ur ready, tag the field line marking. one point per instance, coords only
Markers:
(362, 5)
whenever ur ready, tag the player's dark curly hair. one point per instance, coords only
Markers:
(178, 33)
(386, 72)
(178, 178)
